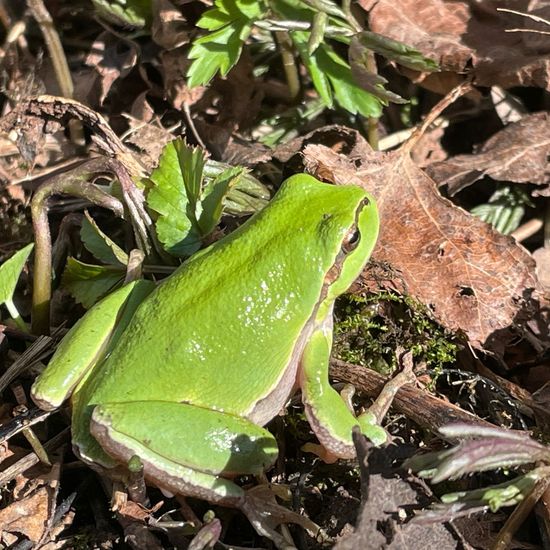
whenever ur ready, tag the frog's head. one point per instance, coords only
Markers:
(358, 234)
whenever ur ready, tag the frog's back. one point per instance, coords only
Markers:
(220, 331)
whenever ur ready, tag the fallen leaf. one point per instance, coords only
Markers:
(170, 29)
(471, 277)
(111, 58)
(28, 515)
(174, 73)
(542, 258)
(470, 37)
(388, 500)
(518, 153)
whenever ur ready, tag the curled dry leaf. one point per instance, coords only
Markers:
(470, 37)
(472, 278)
(29, 514)
(110, 58)
(32, 118)
(170, 29)
(518, 153)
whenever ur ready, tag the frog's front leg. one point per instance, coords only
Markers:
(86, 344)
(326, 411)
(190, 450)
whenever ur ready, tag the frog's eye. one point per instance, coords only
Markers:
(351, 240)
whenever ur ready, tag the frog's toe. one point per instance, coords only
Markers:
(265, 515)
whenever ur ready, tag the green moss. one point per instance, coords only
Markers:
(369, 329)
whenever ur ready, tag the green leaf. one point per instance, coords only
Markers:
(505, 208)
(396, 51)
(346, 92)
(100, 245)
(333, 80)
(231, 23)
(214, 197)
(88, 283)
(246, 197)
(358, 56)
(319, 78)
(191, 163)
(10, 271)
(168, 197)
(136, 13)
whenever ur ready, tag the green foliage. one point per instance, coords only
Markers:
(369, 328)
(135, 13)
(395, 51)
(229, 23)
(88, 283)
(315, 28)
(10, 271)
(100, 245)
(333, 80)
(505, 208)
(189, 209)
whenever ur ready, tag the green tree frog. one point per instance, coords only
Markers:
(186, 379)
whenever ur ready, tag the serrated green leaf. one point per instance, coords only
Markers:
(168, 197)
(191, 164)
(214, 197)
(88, 283)
(100, 245)
(10, 271)
(136, 13)
(212, 20)
(220, 50)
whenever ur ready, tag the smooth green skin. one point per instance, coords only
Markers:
(213, 353)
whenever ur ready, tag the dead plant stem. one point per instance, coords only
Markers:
(59, 61)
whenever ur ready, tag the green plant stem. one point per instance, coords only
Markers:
(16, 316)
(289, 64)
(273, 25)
(59, 61)
(71, 183)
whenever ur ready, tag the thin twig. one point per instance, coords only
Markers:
(536, 18)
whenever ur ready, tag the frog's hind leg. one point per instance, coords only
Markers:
(184, 449)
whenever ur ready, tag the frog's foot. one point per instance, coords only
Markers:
(186, 450)
(265, 514)
(328, 414)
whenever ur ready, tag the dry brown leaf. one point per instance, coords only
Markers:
(471, 37)
(471, 277)
(111, 58)
(542, 258)
(518, 153)
(174, 73)
(27, 123)
(27, 516)
(170, 29)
